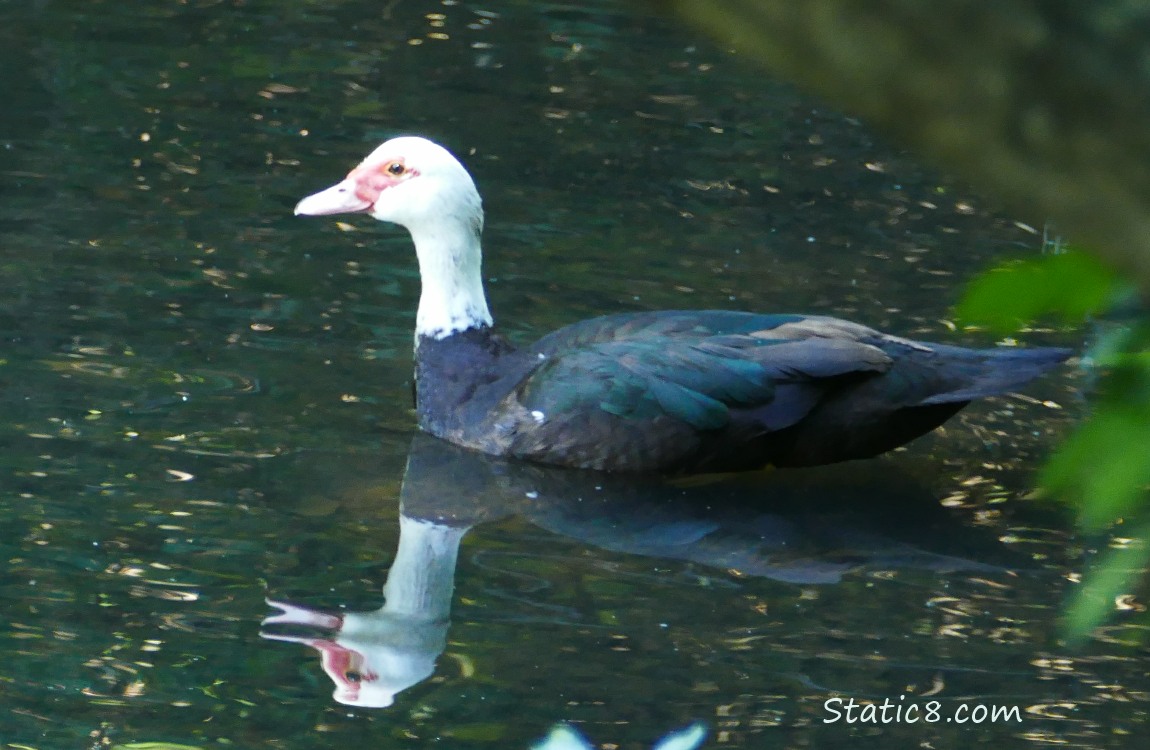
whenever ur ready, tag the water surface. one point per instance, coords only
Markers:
(208, 400)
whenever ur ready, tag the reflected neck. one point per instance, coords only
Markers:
(422, 577)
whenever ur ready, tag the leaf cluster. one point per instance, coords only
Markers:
(1104, 466)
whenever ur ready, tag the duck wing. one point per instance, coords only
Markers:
(651, 391)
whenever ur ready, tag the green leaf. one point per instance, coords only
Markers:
(1119, 571)
(1105, 463)
(1072, 285)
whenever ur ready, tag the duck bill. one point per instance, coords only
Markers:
(337, 199)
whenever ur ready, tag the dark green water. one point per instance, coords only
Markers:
(207, 401)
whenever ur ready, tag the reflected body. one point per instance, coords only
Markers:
(803, 528)
(673, 391)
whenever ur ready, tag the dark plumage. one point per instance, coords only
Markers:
(703, 390)
(675, 391)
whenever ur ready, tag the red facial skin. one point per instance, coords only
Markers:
(372, 179)
(343, 665)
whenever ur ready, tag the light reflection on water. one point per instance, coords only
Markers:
(208, 403)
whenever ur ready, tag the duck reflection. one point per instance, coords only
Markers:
(800, 526)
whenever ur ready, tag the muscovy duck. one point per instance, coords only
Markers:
(668, 392)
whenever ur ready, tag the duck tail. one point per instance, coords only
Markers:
(991, 372)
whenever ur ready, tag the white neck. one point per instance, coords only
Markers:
(450, 264)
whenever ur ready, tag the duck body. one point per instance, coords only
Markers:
(668, 391)
(706, 390)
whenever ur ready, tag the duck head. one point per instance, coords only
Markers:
(408, 181)
(419, 185)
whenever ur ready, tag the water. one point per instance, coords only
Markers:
(208, 402)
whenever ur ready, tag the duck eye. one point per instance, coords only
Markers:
(395, 168)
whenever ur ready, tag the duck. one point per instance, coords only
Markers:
(661, 392)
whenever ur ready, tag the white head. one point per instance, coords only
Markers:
(419, 185)
(407, 181)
